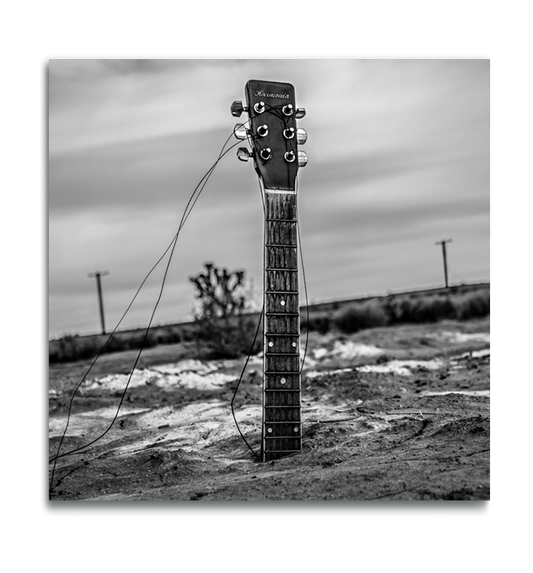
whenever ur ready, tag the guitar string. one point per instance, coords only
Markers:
(261, 317)
(188, 209)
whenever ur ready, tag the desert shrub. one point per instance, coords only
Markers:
(399, 309)
(473, 305)
(225, 327)
(318, 321)
(420, 309)
(227, 338)
(434, 308)
(168, 335)
(72, 347)
(359, 316)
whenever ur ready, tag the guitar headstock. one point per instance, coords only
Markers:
(272, 132)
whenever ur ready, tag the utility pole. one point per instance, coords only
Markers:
(99, 274)
(443, 244)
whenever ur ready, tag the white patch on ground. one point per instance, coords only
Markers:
(475, 354)
(485, 393)
(460, 337)
(317, 373)
(403, 367)
(184, 374)
(349, 350)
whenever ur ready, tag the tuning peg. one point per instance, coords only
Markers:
(301, 136)
(300, 112)
(237, 108)
(302, 158)
(243, 154)
(240, 132)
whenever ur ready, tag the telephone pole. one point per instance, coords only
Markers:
(99, 274)
(443, 243)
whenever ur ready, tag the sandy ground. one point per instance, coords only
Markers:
(394, 413)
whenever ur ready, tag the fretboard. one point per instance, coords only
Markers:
(282, 428)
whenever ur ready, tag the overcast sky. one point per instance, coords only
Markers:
(398, 159)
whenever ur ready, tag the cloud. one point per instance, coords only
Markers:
(398, 158)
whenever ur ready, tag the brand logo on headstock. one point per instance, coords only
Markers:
(262, 93)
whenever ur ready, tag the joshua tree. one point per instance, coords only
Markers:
(223, 303)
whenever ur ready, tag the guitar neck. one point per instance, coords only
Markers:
(282, 427)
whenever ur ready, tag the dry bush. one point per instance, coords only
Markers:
(359, 316)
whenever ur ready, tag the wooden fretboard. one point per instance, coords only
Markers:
(282, 427)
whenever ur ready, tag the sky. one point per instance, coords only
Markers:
(398, 160)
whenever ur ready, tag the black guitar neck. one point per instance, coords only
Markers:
(282, 428)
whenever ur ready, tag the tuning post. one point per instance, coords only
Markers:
(289, 156)
(288, 133)
(288, 109)
(259, 107)
(262, 130)
(265, 153)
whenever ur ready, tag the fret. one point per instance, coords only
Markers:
(282, 245)
(288, 334)
(283, 388)
(282, 314)
(283, 372)
(282, 452)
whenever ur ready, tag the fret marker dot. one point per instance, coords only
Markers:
(295, 429)
(283, 380)
(282, 303)
(269, 430)
(294, 344)
(271, 344)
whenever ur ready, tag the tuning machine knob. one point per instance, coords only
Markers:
(240, 131)
(302, 158)
(301, 136)
(243, 154)
(237, 108)
(300, 112)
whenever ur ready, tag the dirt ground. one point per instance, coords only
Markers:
(394, 413)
